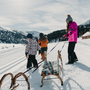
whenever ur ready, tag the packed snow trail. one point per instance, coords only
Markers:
(76, 76)
(9, 55)
(12, 58)
(11, 65)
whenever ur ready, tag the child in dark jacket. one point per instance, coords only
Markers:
(31, 50)
(42, 41)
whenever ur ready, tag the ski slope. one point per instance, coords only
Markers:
(76, 76)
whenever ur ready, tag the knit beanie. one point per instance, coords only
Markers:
(69, 18)
(41, 35)
(29, 36)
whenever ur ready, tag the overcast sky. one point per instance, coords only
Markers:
(42, 15)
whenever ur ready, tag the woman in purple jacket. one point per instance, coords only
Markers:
(72, 39)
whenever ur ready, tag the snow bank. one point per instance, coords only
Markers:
(5, 46)
(87, 34)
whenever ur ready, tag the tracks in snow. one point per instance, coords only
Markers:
(12, 65)
(9, 52)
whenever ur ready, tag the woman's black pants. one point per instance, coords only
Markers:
(71, 54)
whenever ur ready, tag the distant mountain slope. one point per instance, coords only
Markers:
(87, 22)
(11, 36)
(8, 35)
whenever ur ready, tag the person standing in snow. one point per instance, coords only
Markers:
(72, 39)
(31, 50)
(43, 41)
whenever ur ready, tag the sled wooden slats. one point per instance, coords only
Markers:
(53, 71)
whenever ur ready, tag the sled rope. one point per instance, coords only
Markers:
(42, 60)
(13, 79)
(47, 54)
(53, 48)
(55, 73)
(62, 47)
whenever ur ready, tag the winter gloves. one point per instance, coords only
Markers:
(66, 35)
(26, 54)
(39, 51)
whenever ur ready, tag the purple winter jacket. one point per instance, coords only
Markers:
(72, 35)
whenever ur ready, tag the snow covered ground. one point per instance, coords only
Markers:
(76, 76)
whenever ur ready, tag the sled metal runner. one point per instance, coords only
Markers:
(54, 72)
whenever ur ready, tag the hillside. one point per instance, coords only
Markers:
(11, 36)
(14, 36)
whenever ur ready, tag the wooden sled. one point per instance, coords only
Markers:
(1, 81)
(49, 69)
(26, 79)
(13, 80)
